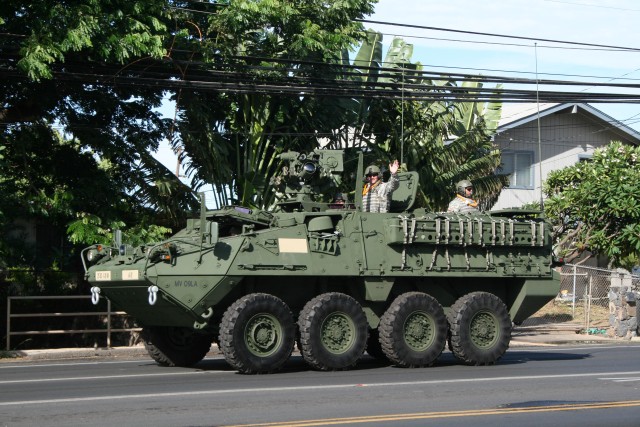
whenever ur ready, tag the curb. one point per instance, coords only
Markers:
(551, 340)
(97, 353)
(76, 353)
(567, 339)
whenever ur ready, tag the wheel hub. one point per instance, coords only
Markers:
(418, 331)
(337, 332)
(484, 330)
(263, 334)
(179, 337)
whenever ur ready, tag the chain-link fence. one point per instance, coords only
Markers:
(592, 300)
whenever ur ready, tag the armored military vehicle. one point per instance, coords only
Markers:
(333, 279)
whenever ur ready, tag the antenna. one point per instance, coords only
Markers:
(535, 47)
(402, 118)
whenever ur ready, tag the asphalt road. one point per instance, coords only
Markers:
(590, 385)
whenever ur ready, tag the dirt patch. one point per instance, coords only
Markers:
(560, 311)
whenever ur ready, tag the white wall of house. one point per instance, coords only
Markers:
(566, 138)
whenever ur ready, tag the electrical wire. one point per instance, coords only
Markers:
(490, 43)
(234, 82)
(507, 36)
(382, 73)
(593, 5)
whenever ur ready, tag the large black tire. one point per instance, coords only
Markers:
(257, 333)
(413, 330)
(173, 346)
(333, 331)
(480, 328)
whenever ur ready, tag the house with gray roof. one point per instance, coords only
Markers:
(536, 139)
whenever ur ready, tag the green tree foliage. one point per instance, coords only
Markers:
(444, 141)
(83, 81)
(73, 140)
(232, 139)
(65, 61)
(595, 205)
(50, 185)
(113, 32)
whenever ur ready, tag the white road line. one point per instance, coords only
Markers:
(558, 349)
(564, 349)
(111, 377)
(48, 365)
(305, 388)
(620, 380)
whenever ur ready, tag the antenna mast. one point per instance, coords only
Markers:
(402, 119)
(535, 46)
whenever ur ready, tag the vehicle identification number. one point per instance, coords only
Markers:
(102, 276)
(186, 284)
(130, 275)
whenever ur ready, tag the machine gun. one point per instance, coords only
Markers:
(306, 178)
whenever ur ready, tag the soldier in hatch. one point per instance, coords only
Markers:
(338, 202)
(463, 201)
(376, 194)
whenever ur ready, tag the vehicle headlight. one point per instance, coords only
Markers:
(94, 254)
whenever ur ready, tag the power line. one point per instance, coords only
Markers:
(237, 82)
(478, 33)
(441, 73)
(593, 5)
(295, 80)
(528, 46)
(592, 45)
(611, 48)
(389, 72)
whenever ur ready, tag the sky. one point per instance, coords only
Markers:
(600, 22)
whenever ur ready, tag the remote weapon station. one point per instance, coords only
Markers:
(331, 279)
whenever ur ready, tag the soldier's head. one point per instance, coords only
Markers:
(464, 188)
(372, 173)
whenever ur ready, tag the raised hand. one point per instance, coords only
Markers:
(393, 167)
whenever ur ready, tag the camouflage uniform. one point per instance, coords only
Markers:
(462, 204)
(378, 198)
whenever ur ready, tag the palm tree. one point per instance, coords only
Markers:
(233, 140)
(444, 141)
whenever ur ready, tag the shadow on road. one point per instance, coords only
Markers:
(297, 364)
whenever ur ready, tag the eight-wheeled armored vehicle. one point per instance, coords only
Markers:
(331, 278)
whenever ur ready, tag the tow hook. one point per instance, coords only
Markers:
(153, 294)
(95, 295)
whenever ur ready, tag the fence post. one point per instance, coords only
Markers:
(8, 323)
(108, 323)
(573, 295)
(587, 314)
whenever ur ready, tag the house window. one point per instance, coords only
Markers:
(519, 165)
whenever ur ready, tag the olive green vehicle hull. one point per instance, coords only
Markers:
(333, 279)
(371, 257)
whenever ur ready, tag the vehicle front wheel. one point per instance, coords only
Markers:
(257, 334)
(175, 346)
